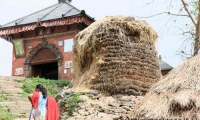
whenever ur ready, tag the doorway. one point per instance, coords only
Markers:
(45, 61)
(47, 70)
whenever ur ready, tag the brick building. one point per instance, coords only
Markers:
(165, 68)
(43, 40)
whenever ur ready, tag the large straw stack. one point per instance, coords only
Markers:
(176, 96)
(116, 55)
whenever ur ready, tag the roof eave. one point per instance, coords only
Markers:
(166, 69)
(2, 28)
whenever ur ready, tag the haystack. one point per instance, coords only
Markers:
(175, 96)
(116, 55)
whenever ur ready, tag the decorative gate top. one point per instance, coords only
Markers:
(41, 46)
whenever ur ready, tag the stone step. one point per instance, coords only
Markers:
(23, 115)
(16, 98)
(12, 78)
(22, 119)
(13, 104)
(3, 78)
(15, 95)
(6, 101)
(8, 87)
(10, 83)
(20, 111)
(12, 91)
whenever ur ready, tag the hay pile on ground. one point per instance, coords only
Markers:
(176, 96)
(116, 55)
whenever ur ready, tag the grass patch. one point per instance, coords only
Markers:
(24, 94)
(6, 115)
(53, 86)
(72, 103)
(3, 97)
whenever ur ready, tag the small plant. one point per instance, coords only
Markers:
(3, 97)
(72, 103)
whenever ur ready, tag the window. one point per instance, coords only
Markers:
(48, 30)
(19, 71)
(29, 46)
(60, 43)
(68, 64)
(40, 32)
(68, 45)
(65, 71)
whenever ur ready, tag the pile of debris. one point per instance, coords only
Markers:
(98, 107)
(116, 55)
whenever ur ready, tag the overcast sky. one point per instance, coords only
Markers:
(167, 44)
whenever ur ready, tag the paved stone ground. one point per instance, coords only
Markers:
(10, 88)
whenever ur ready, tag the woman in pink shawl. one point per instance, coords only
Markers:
(43, 107)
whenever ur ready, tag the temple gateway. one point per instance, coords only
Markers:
(43, 41)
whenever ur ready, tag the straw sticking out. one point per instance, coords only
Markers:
(176, 96)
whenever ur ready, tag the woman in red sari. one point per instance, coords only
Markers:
(44, 107)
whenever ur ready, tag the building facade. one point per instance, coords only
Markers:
(43, 41)
(165, 68)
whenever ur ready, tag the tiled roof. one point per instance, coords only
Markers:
(60, 10)
(165, 66)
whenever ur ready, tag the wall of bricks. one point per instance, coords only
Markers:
(67, 56)
(164, 72)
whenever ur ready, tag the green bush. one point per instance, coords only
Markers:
(53, 86)
(72, 103)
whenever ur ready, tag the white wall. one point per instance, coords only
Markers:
(5, 58)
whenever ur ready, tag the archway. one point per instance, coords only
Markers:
(44, 60)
